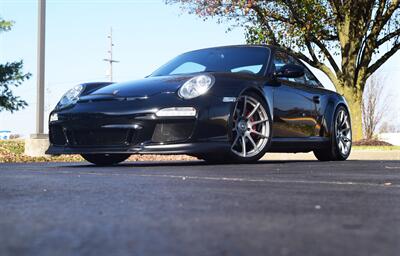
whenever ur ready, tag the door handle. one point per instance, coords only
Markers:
(316, 99)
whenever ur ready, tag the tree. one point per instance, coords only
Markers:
(10, 75)
(347, 40)
(387, 127)
(375, 106)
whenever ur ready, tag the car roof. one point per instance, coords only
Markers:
(273, 48)
(237, 46)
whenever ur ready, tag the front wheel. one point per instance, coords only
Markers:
(340, 141)
(105, 159)
(249, 129)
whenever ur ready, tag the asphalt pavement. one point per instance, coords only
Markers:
(190, 208)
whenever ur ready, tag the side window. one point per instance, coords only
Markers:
(188, 67)
(281, 59)
(252, 69)
(310, 79)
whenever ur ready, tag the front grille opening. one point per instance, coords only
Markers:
(172, 132)
(56, 135)
(100, 137)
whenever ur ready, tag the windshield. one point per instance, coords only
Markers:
(251, 60)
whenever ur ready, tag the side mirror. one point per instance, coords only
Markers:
(290, 71)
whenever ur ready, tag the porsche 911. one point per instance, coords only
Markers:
(229, 104)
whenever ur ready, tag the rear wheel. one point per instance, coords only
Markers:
(105, 159)
(340, 142)
(250, 130)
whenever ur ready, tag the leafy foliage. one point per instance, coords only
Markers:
(5, 25)
(11, 75)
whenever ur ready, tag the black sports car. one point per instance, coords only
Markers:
(223, 104)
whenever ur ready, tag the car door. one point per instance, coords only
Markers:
(320, 97)
(294, 103)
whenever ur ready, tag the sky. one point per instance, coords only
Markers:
(146, 35)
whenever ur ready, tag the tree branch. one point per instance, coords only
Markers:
(328, 55)
(319, 43)
(263, 15)
(388, 37)
(382, 17)
(389, 12)
(316, 64)
(311, 51)
(335, 5)
(372, 42)
(371, 69)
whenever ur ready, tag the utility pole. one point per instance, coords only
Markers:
(40, 67)
(110, 59)
(37, 143)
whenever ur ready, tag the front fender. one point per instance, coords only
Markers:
(91, 87)
(236, 87)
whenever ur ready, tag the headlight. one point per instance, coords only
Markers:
(53, 117)
(196, 86)
(70, 97)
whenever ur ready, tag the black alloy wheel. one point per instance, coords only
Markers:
(341, 139)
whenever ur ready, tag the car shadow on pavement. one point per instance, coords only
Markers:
(183, 163)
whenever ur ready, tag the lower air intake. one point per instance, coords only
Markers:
(172, 132)
(56, 135)
(103, 137)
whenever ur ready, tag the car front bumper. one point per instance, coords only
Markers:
(133, 127)
(182, 148)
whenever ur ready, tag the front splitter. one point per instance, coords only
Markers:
(168, 149)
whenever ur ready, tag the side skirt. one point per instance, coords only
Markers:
(305, 144)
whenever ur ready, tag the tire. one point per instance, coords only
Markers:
(340, 141)
(216, 158)
(105, 159)
(249, 129)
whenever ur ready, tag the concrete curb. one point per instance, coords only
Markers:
(384, 155)
(35, 147)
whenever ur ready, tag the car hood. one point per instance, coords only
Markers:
(143, 87)
(151, 86)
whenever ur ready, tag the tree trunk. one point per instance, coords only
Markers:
(356, 117)
(354, 100)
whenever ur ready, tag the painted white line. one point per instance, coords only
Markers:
(392, 167)
(268, 180)
(238, 179)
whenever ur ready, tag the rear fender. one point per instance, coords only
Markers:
(333, 102)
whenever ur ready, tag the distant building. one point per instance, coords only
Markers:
(5, 135)
(392, 138)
